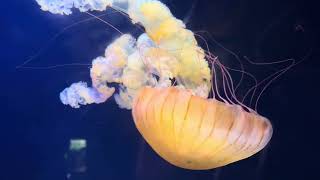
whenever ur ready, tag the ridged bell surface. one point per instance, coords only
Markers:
(196, 133)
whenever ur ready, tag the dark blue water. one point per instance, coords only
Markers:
(36, 127)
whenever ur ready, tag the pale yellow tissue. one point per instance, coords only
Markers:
(97, 69)
(120, 49)
(118, 56)
(154, 12)
(166, 30)
(135, 61)
(194, 66)
(133, 79)
(103, 70)
(164, 63)
(170, 34)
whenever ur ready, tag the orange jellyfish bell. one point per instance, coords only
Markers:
(196, 133)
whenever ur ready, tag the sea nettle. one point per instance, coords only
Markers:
(196, 133)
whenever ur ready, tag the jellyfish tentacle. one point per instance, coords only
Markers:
(104, 21)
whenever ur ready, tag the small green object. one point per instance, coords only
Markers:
(77, 144)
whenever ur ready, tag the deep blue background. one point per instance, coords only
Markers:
(36, 127)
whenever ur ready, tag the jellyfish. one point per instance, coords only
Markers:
(166, 79)
(197, 133)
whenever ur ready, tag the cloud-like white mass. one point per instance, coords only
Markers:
(65, 6)
(79, 94)
(165, 52)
